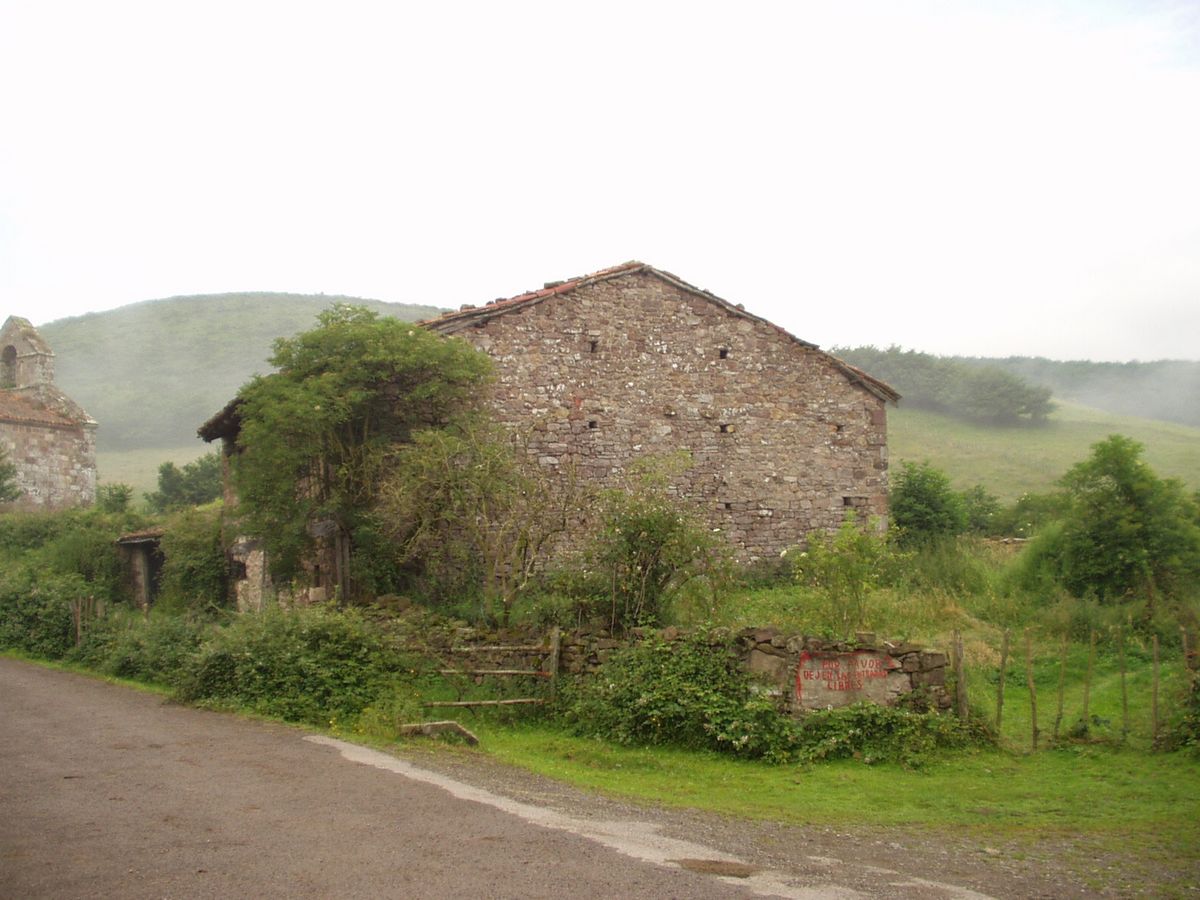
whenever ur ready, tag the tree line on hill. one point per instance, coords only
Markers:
(1018, 389)
(1167, 389)
(985, 394)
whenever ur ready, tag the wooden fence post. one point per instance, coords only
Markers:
(1154, 694)
(1062, 682)
(1032, 688)
(1087, 683)
(1124, 685)
(1000, 684)
(555, 652)
(962, 707)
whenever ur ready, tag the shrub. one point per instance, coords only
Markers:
(877, 734)
(35, 613)
(690, 693)
(924, 506)
(304, 665)
(114, 498)
(156, 649)
(846, 569)
(195, 572)
(650, 544)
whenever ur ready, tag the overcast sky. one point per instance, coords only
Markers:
(961, 177)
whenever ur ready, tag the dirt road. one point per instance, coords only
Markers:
(110, 792)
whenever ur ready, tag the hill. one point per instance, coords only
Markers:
(150, 373)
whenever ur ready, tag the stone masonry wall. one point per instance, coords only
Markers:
(801, 672)
(56, 466)
(781, 442)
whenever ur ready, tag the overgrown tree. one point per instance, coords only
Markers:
(1127, 532)
(314, 435)
(650, 544)
(467, 507)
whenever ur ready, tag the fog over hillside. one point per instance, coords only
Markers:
(1164, 389)
(150, 373)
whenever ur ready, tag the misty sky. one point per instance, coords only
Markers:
(977, 178)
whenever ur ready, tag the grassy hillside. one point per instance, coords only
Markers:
(151, 373)
(1013, 461)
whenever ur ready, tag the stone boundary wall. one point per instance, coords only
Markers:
(802, 672)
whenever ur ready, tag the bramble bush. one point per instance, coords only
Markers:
(309, 665)
(195, 572)
(35, 612)
(879, 734)
(159, 648)
(690, 693)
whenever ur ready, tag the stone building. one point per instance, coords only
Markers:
(600, 371)
(48, 437)
(632, 361)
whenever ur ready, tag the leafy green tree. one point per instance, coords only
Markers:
(9, 489)
(1127, 532)
(956, 387)
(195, 484)
(923, 505)
(466, 506)
(315, 434)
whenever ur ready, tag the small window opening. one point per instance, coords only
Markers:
(723, 353)
(839, 428)
(593, 346)
(592, 423)
(728, 505)
(726, 428)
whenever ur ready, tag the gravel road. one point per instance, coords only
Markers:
(111, 792)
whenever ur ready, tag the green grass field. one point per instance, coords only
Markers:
(1010, 462)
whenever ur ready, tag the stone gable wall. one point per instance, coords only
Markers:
(781, 442)
(56, 466)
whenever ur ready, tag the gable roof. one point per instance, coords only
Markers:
(451, 322)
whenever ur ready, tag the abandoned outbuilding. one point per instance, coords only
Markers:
(48, 438)
(629, 362)
(633, 361)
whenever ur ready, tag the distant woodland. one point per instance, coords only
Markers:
(1020, 389)
(150, 373)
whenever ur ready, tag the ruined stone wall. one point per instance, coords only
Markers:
(56, 465)
(781, 442)
(800, 671)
